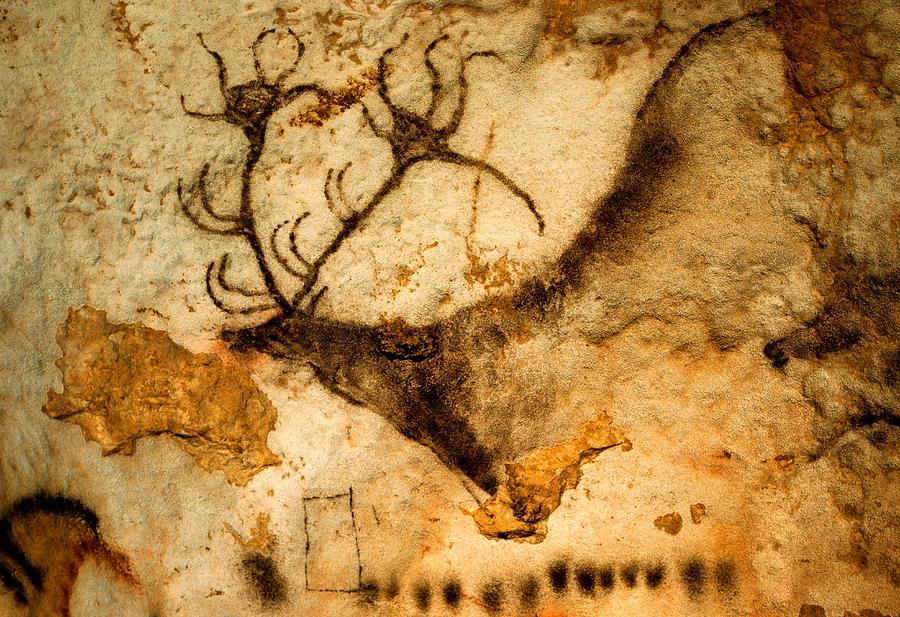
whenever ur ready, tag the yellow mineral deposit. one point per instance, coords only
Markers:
(261, 541)
(122, 382)
(670, 523)
(534, 487)
(698, 513)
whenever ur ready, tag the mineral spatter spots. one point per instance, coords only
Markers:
(262, 540)
(561, 15)
(267, 584)
(123, 27)
(397, 340)
(333, 102)
(698, 512)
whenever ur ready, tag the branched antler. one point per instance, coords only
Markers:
(249, 106)
(413, 138)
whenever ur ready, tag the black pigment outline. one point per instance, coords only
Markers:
(359, 579)
(413, 139)
(430, 398)
(248, 106)
(12, 554)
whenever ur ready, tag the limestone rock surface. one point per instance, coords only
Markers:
(450, 307)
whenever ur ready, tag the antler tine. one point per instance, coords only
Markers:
(342, 211)
(204, 201)
(458, 112)
(293, 244)
(220, 64)
(199, 114)
(301, 48)
(193, 217)
(482, 54)
(435, 77)
(383, 73)
(255, 48)
(280, 257)
(367, 116)
(231, 287)
(234, 226)
(311, 306)
(515, 189)
(214, 273)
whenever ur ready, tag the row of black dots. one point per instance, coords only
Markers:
(695, 576)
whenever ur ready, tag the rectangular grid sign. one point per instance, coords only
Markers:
(332, 550)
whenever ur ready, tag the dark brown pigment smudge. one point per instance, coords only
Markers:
(585, 577)
(492, 596)
(452, 593)
(529, 592)
(422, 595)
(268, 584)
(654, 575)
(558, 573)
(629, 574)
(693, 576)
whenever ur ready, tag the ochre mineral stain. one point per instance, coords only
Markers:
(335, 102)
(670, 523)
(126, 381)
(534, 487)
(261, 541)
(698, 512)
